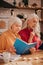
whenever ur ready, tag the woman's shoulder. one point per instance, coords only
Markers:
(4, 33)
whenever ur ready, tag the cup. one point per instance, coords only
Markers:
(6, 57)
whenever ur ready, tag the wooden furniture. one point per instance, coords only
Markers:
(30, 8)
(42, 10)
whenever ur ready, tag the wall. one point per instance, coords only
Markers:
(30, 1)
(42, 16)
(4, 16)
(6, 13)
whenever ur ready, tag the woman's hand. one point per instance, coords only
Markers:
(31, 37)
(12, 50)
(32, 50)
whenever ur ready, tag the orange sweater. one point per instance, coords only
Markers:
(7, 40)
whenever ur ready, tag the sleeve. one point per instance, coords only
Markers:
(23, 35)
(5, 45)
(37, 40)
(2, 43)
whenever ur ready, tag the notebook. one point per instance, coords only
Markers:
(21, 46)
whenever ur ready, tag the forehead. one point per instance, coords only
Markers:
(17, 24)
(35, 19)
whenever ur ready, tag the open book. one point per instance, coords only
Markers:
(21, 46)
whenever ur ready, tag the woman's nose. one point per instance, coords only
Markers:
(35, 23)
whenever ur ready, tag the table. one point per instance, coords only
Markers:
(30, 59)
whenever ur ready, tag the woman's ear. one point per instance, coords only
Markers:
(11, 27)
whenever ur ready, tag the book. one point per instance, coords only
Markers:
(21, 46)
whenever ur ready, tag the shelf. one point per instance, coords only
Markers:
(29, 7)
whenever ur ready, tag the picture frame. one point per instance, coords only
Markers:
(3, 24)
(4, 17)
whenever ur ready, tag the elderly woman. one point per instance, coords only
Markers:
(31, 31)
(8, 37)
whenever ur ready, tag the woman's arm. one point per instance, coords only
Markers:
(5, 46)
(32, 34)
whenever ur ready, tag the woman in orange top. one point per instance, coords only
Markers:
(8, 37)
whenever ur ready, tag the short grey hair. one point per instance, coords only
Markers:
(13, 20)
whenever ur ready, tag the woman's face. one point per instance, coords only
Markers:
(16, 28)
(32, 23)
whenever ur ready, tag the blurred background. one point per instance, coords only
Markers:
(22, 9)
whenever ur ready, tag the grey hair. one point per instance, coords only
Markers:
(37, 28)
(13, 20)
